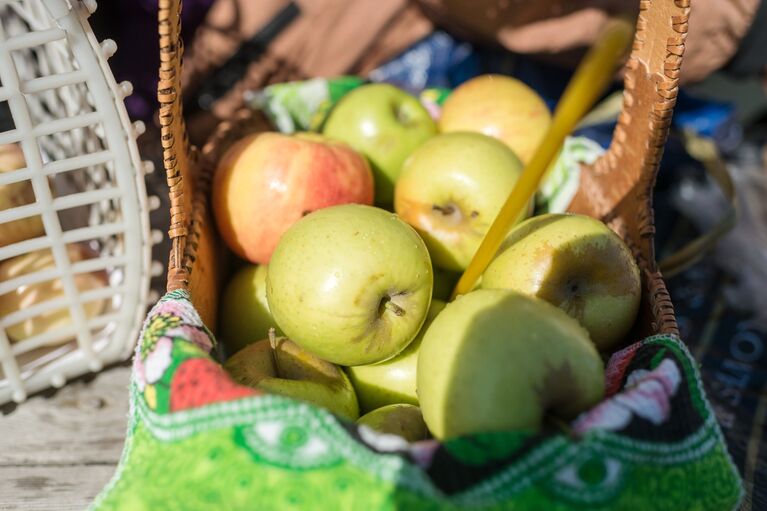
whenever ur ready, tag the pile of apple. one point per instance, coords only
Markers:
(357, 293)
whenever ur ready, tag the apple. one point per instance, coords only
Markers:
(451, 189)
(351, 284)
(385, 124)
(39, 292)
(268, 181)
(501, 107)
(279, 366)
(244, 313)
(397, 419)
(17, 194)
(497, 360)
(391, 381)
(576, 263)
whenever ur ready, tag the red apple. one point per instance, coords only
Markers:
(268, 181)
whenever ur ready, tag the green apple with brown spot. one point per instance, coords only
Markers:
(498, 360)
(397, 419)
(576, 263)
(279, 366)
(392, 381)
(351, 284)
(451, 189)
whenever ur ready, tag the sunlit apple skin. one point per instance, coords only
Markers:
(392, 381)
(451, 189)
(501, 107)
(32, 294)
(576, 263)
(351, 284)
(268, 181)
(293, 372)
(244, 314)
(385, 124)
(17, 194)
(497, 360)
(397, 419)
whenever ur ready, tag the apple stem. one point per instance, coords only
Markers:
(273, 345)
(445, 210)
(393, 307)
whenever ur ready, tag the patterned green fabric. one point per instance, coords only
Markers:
(198, 441)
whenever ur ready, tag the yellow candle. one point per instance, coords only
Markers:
(592, 76)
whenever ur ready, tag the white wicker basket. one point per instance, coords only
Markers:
(66, 112)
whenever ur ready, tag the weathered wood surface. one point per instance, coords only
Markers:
(58, 449)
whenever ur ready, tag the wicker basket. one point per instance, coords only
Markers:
(192, 414)
(74, 287)
(616, 189)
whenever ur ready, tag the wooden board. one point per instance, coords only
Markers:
(58, 449)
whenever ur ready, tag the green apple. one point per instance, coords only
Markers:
(385, 124)
(279, 366)
(451, 189)
(576, 263)
(501, 107)
(397, 419)
(391, 381)
(244, 315)
(497, 360)
(352, 284)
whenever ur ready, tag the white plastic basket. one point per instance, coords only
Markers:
(68, 117)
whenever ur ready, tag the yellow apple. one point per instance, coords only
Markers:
(29, 295)
(496, 360)
(244, 317)
(451, 189)
(394, 380)
(576, 263)
(397, 419)
(501, 107)
(279, 366)
(17, 194)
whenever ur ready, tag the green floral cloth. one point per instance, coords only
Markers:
(198, 441)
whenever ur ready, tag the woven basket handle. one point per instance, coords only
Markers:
(179, 157)
(618, 187)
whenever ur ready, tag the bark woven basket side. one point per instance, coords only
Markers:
(616, 189)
